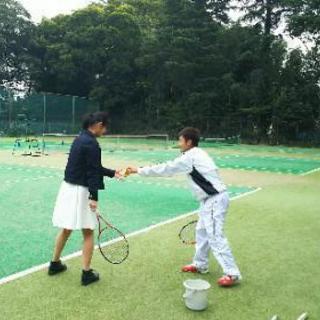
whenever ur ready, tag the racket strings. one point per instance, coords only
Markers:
(114, 252)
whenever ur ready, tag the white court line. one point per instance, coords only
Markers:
(57, 175)
(34, 269)
(310, 172)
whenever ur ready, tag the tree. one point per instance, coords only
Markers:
(16, 31)
(218, 9)
(182, 62)
(266, 16)
(158, 65)
(305, 20)
(297, 108)
(89, 53)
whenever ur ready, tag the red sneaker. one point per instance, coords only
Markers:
(228, 281)
(192, 268)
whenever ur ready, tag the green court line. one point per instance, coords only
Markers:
(27, 205)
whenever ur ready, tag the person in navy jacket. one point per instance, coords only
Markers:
(77, 199)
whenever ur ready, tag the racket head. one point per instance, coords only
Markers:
(187, 233)
(112, 243)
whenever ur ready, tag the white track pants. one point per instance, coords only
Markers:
(209, 235)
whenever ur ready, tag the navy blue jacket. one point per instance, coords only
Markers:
(84, 166)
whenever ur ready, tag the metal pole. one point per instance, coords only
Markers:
(10, 110)
(44, 113)
(73, 112)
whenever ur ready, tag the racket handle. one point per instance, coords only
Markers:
(126, 173)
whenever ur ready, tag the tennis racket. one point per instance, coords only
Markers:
(187, 233)
(303, 316)
(112, 243)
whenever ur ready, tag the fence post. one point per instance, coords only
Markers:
(10, 99)
(44, 112)
(73, 112)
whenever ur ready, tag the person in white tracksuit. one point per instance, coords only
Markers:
(209, 189)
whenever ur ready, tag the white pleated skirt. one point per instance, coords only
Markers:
(72, 209)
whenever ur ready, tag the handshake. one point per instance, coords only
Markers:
(120, 174)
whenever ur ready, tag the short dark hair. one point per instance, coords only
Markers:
(192, 134)
(93, 118)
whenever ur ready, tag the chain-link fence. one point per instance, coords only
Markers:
(38, 113)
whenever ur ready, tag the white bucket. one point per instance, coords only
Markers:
(196, 295)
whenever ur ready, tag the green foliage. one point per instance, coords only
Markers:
(159, 65)
(15, 42)
(306, 19)
(297, 104)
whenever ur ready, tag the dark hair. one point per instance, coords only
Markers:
(192, 134)
(92, 118)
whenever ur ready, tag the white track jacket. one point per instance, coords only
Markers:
(200, 168)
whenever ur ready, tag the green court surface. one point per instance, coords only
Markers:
(270, 164)
(27, 196)
(274, 235)
(155, 151)
(278, 149)
(258, 163)
(57, 142)
(126, 143)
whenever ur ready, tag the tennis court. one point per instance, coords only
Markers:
(258, 228)
(28, 233)
(161, 149)
(159, 81)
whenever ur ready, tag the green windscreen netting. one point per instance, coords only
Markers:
(25, 114)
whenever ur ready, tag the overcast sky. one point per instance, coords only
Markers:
(50, 8)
